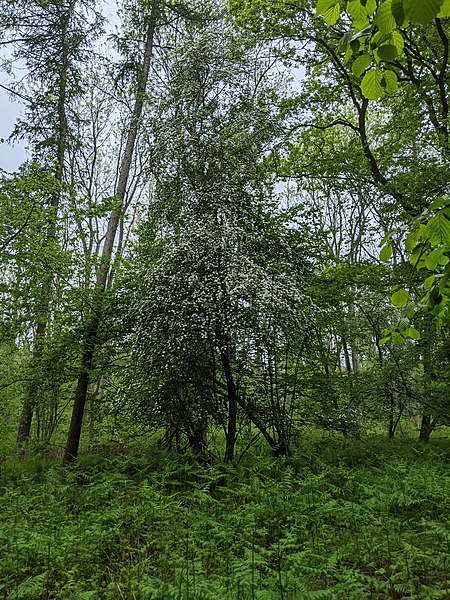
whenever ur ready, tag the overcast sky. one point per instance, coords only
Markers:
(12, 156)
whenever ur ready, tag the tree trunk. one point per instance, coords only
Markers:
(25, 421)
(425, 429)
(426, 426)
(43, 312)
(76, 422)
(230, 440)
(88, 348)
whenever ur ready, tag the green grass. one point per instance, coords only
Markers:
(366, 519)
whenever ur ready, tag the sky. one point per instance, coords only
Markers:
(11, 156)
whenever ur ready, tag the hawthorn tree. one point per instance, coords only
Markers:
(220, 281)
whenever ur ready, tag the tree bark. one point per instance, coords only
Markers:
(232, 399)
(425, 429)
(26, 420)
(91, 334)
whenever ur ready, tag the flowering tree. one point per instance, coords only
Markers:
(221, 277)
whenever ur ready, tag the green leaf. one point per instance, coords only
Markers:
(411, 240)
(438, 202)
(386, 253)
(444, 279)
(360, 65)
(371, 85)
(445, 10)
(384, 18)
(371, 6)
(414, 237)
(324, 5)
(396, 39)
(398, 12)
(390, 81)
(358, 13)
(409, 309)
(329, 9)
(412, 333)
(361, 34)
(417, 255)
(438, 229)
(397, 338)
(429, 282)
(403, 324)
(387, 52)
(435, 258)
(399, 298)
(422, 11)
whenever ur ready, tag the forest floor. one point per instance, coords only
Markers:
(339, 519)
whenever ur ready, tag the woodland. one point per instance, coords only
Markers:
(225, 300)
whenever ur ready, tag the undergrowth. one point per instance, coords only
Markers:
(337, 520)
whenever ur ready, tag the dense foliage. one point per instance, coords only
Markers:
(358, 520)
(232, 230)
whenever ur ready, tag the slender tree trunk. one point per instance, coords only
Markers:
(31, 392)
(43, 313)
(91, 333)
(425, 429)
(232, 399)
(348, 363)
(426, 426)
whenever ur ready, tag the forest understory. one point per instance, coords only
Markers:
(357, 519)
(225, 300)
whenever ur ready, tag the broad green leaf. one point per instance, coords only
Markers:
(384, 18)
(438, 229)
(399, 298)
(330, 10)
(438, 202)
(429, 282)
(414, 237)
(444, 279)
(397, 40)
(421, 11)
(324, 5)
(435, 258)
(387, 52)
(332, 15)
(416, 257)
(389, 81)
(409, 309)
(378, 39)
(411, 240)
(412, 333)
(361, 34)
(371, 85)
(358, 13)
(348, 55)
(360, 65)
(398, 12)
(403, 324)
(445, 10)
(439, 310)
(434, 298)
(386, 253)
(397, 338)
